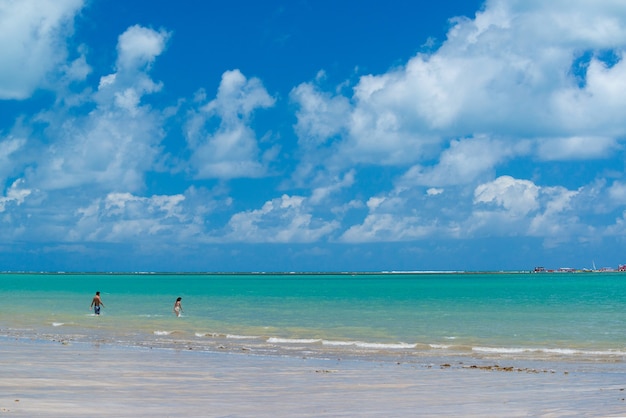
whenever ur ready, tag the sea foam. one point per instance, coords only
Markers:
(276, 340)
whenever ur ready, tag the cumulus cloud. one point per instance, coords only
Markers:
(508, 73)
(576, 148)
(435, 147)
(557, 219)
(464, 162)
(32, 43)
(505, 206)
(15, 194)
(113, 146)
(138, 47)
(386, 227)
(617, 193)
(518, 197)
(281, 220)
(512, 206)
(362, 133)
(521, 80)
(434, 191)
(387, 220)
(618, 228)
(229, 150)
(102, 152)
(321, 115)
(123, 216)
(8, 147)
(320, 194)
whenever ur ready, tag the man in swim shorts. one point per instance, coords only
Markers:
(96, 302)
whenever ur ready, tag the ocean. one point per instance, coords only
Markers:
(419, 317)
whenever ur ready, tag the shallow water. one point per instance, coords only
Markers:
(414, 317)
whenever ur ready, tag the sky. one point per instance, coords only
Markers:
(302, 135)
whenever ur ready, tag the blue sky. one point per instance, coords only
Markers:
(311, 135)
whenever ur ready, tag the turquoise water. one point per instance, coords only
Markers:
(556, 316)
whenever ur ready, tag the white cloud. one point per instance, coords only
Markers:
(8, 147)
(618, 228)
(177, 220)
(522, 77)
(229, 153)
(113, 146)
(15, 194)
(32, 43)
(508, 206)
(576, 148)
(517, 197)
(391, 218)
(109, 149)
(508, 73)
(138, 47)
(77, 70)
(370, 133)
(464, 162)
(122, 216)
(387, 227)
(282, 220)
(320, 194)
(231, 150)
(617, 193)
(557, 219)
(320, 115)
(238, 97)
(595, 109)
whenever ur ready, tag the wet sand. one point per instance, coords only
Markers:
(53, 379)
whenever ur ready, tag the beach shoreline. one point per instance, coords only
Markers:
(55, 378)
(303, 346)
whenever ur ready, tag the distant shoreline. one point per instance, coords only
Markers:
(269, 273)
(311, 273)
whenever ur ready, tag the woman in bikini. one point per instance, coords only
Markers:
(178, 307)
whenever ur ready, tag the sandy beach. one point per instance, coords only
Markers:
(55, 379)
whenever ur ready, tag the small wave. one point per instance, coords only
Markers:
(58, 324)
(163, 332)
(230, 336)
(210, 334)
(241, 337)
(559, 351)
(571, 351)
(439, 346)
(276, 340)
(338, 343)
(361, 344)
(502, 350)
(385, 346)
(422, 346)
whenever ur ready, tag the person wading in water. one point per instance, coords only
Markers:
(96, 303)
